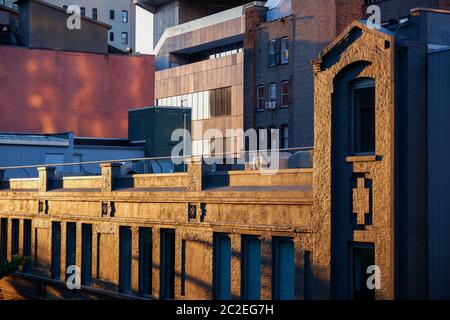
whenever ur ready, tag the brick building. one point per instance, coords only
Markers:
(374, 199)
(278, 79)
(67, 80)
(380, 103)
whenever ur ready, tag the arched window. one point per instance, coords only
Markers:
(362, 96)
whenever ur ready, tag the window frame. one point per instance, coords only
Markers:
(124, 16)
(272, 53)
(260, 98)
(122, 38)
(283, 95)
(360, 83)
(112, 14)
(111, 36)
(94, 13)
(284, 137)
(283, 50)
(83, 11)
(274, 98)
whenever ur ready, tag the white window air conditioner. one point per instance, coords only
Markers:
(271, 105)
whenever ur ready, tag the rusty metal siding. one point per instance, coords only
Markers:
(439, 175)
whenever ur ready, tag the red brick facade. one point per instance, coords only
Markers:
(46, 91)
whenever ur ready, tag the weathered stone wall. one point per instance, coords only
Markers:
(279, 209)
(376, 49)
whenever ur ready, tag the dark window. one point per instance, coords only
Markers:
(71, 245)
(284, 137)
(363, 115)
(261, 97)
(111, 36)
(94, 14)
(284, 47)
(220, 102)
(86, 254)
(112, 14)
(222, 267)
(167, 262)
(56, 250)
(183, 267)
(307, 275)
(145, 261)
(83, 11)
(124, 16)
(125, 260)
(3, 238)
(273, 53)
(26, 244)
(283, 269)
(363, 256)
(65, 8)
(15, 236)
(124, 37)
(285, 94)
(251, 268)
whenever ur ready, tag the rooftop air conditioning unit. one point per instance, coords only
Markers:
(271, 105)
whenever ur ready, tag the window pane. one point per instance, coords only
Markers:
(251, 268)
(272, 53)
(124, 37)
(283, 269)
(284, 50)
(261, 98)
(285, 94)
(364, 119)
(125, 16)
(273, 92)
(222, 267)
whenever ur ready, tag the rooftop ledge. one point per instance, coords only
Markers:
(220, 17)
(197, 179)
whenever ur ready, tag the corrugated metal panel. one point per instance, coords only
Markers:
(439, 175)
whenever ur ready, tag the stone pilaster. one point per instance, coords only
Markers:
(109, 172)
(8, 240)
(63, 251)
(156, 262)
(195, 174)
(135, 259)
(95, 253)
(235, 266)
(45, 175)
(179, 240)
(299, 269)
(266, 267)
(79, 244)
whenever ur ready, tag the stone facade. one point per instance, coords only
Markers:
(373, 50)
(281, 209)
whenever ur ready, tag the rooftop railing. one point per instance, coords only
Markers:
(285, 167)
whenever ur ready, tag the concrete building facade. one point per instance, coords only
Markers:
(200, 65)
